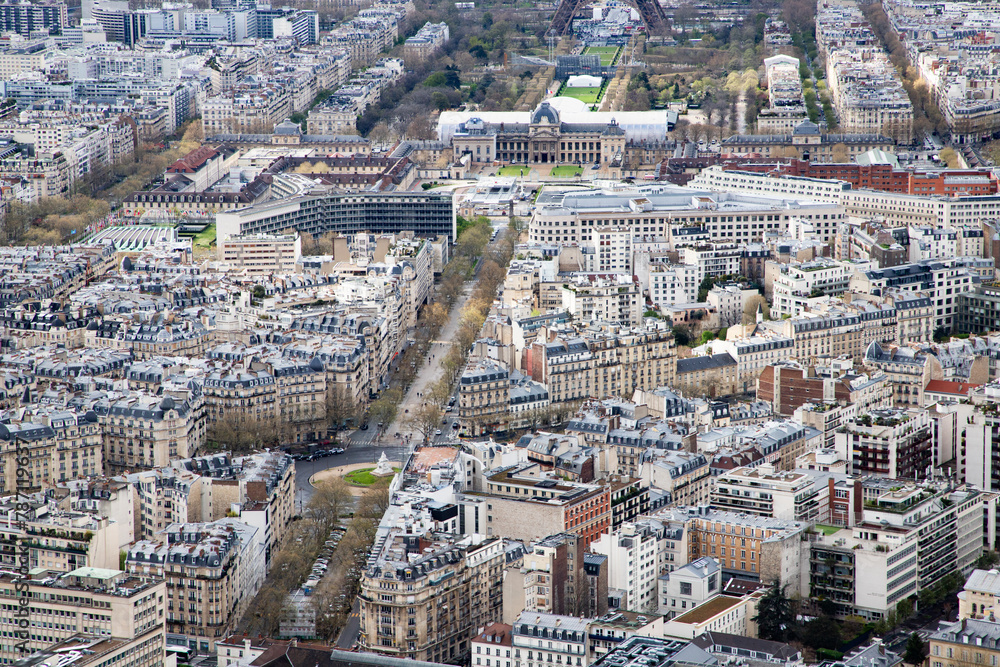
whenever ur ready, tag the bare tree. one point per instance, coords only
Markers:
(750, 309)
(425, 420)
(385, 407)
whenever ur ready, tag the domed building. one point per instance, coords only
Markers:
(561, 130)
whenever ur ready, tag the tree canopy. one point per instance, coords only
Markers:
(774, 617)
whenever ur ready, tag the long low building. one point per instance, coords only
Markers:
(809, 142)
(428, 214)
(669, 213)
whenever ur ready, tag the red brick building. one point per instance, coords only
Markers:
(883, 177)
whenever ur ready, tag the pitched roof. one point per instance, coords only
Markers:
(949, 387)
(693, 364)
(193, 161)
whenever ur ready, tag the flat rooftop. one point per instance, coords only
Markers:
(709, 609)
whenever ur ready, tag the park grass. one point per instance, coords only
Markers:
(364, 477)
(205, 238)
(585, 95)
(513, 170)
(566, 171)
(607, 53)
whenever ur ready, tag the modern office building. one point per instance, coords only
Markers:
(427, 214)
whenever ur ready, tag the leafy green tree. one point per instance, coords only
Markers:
(904, 609)
(915, 651)
(682, 335)
(774, 617)
(822, 632)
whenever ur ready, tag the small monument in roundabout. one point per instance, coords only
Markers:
(383, 468)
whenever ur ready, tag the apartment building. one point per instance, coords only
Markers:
(868, 95)
(103, 604)
(605, 361)
(140, 430)
(942, 279)
(335, 117)
(288, 393)
(521, 505)
(671, 284)
(790, 385)
(711, 375)
(685, 477)
(689, 586)
(613, 298)
(52, 172)
(794, 287)
(493, 646)
(212, 571)
(754, 353)
(888, 442)
(261, 253)
(430, 38)
(187, 338)
(909, 370)
(978, 310)
(557, 576)
(62, 540)
(163, 497)
(59, 445)
(246, 109)
(746, 546)
(729, 614)
(548, 639)
(25, 18)
(634, 562)
(259, 487)
(910, 537)
(432, 606)
(483, 396)
(764, 491)
(713, 260)
(965, 642)
(831, 329)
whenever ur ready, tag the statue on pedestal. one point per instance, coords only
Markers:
(382, 468)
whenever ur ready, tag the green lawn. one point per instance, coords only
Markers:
(364, 477)
(828, 530)
(607, 53)
(586, 95)
(513, 170)
(566, 171)
(205, 239)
